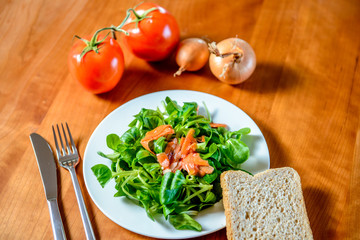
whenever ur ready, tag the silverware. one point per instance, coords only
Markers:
(47, 167)
(68, 158)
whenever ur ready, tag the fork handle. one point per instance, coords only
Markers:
(84, 215)
(56, 222)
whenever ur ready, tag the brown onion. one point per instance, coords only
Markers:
(192, 54)
(232, 60)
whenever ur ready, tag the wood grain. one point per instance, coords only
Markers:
(304, 95)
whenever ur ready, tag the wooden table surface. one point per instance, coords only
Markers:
(304, 95)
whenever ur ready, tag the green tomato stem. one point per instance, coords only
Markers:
(93, 44)
(141, 17)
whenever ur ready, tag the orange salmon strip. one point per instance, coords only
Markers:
(205, 170)
(216, 125)
(189, 140)
(163, 160)
(156, 133)
(196, 159)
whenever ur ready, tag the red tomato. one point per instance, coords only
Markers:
(97, 72)
(152, 36)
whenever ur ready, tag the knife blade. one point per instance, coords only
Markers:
(47, 168)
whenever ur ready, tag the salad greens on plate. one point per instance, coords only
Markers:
(170, 161)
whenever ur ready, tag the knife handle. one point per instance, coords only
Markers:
(56, 222)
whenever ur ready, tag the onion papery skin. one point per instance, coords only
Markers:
(225, 68)
(192, 55)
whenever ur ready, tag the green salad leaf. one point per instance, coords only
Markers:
(177, 195)
(102, 173)
(183, 221)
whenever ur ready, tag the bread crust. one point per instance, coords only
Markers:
(226, 203)
(231, 179)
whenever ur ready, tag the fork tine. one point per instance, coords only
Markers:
(66, 141)
(56, 143)
(71, 139)
(61, 141)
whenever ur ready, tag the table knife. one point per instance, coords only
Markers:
(47, 167)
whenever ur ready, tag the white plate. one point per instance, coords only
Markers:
(133, 217)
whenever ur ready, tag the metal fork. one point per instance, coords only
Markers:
(68, 157)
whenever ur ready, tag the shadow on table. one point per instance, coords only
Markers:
(318, 205)
(134, 83)
(148, 77)
(138, 81)
(167, 66)
(271, 77)
(278, 154)
(267, 77)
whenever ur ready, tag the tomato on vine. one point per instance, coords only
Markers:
(153, 32)
(100, 68)
(97, 62)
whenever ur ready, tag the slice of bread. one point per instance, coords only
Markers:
(269, 205)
